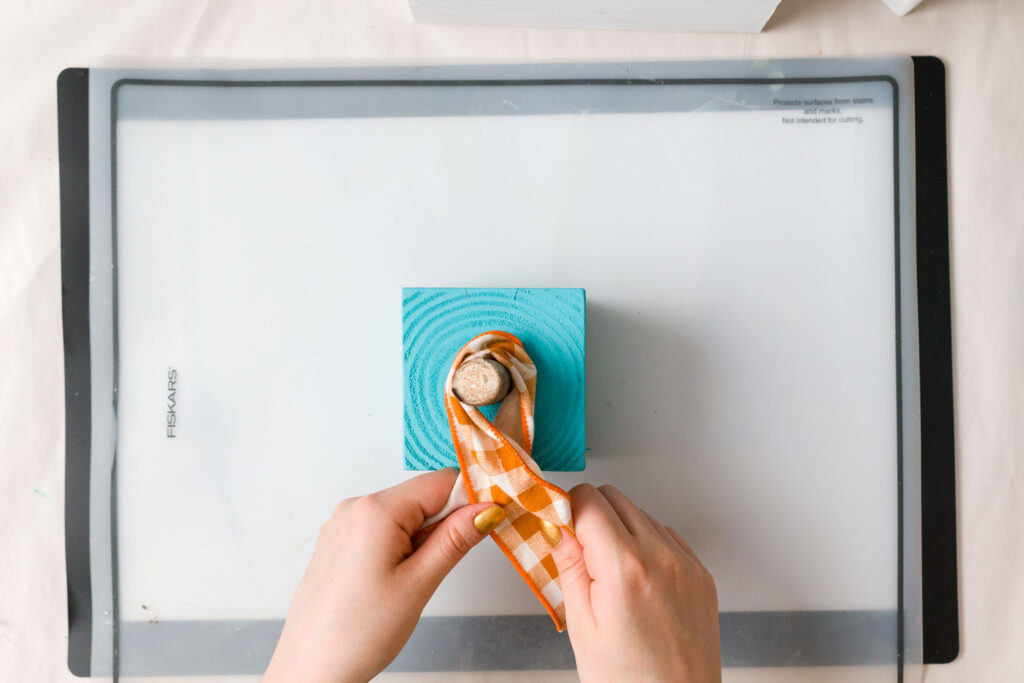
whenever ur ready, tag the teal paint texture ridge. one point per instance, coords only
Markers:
(551, 323)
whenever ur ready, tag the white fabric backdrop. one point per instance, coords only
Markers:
(980, 41)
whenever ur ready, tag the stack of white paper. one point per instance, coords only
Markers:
(737, 16)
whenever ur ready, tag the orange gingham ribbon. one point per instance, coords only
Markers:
(497, 466)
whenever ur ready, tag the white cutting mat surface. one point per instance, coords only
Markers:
(741, 344)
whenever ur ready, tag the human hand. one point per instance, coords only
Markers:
(639, 604)
(365, 586)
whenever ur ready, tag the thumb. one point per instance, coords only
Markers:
(449, 542)
(572, 575)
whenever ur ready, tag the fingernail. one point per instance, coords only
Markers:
(489, 518)
(552, 534)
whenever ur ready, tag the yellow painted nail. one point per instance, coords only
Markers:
(489, 518)
(552, 534)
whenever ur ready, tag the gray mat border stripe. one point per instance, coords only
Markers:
(511, 643)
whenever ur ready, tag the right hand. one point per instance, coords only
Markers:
(639, 604)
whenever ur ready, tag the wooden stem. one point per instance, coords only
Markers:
(481, 381)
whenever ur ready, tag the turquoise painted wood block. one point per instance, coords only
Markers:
(551, 323)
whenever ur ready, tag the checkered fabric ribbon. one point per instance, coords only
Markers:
(496, 466)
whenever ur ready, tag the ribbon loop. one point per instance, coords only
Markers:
(496, 464)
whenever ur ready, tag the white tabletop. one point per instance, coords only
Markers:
(980, 48)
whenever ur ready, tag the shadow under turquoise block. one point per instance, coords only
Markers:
(551, 324)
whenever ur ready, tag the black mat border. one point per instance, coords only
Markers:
(73, 154)
(940, 599)
(73, 130)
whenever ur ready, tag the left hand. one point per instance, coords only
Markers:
(365, 586)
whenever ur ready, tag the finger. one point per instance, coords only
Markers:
(685, 546)
(573, 577)
(633, 518)
(598, 529)
(412, 501)
(448, 543)
(590, 505)
(660, 529)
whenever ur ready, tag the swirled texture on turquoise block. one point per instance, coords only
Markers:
(551, 323)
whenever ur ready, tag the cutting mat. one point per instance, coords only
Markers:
(744, 231)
